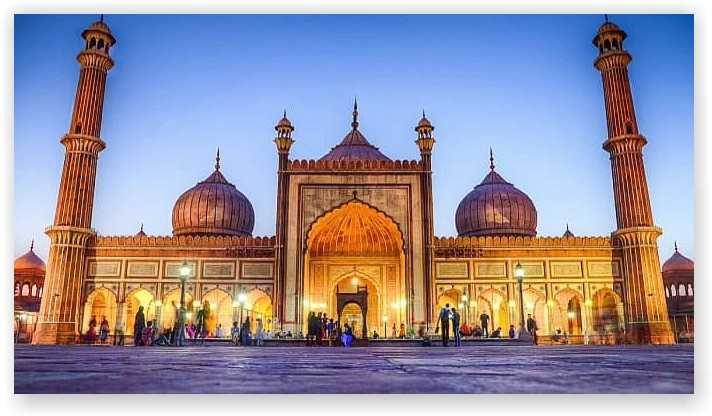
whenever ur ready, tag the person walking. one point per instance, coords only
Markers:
(119, 334)
(456, 327)
(484, 322)
(444, 323)
(139, 325)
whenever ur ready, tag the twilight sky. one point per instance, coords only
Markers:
(185, 84)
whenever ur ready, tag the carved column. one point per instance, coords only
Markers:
(60, 309)
(284, 142)
(425, 142)
(636, 234)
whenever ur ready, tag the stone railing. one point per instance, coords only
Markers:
(351, 165)
(475, 246)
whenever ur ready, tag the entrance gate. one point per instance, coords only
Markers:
(360, 298)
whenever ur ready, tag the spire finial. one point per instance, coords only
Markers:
(354, 123)
(285, 113)
(423, 113)
(605, 18)
(217, 160)
(675, 246)
(101, 18)
(567, 226)
(141, 227)
(491, 160)
(32, 245)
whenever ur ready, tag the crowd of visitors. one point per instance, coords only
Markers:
(449, 320)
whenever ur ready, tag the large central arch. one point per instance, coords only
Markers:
(351, 245)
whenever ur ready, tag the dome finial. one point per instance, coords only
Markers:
(675, 246)
(491, 160)
(285, 113)
(32, 245)
(567, 227)
(605, 18)
(141, 227)
(354, 123)
(101, 18)
(217, 160)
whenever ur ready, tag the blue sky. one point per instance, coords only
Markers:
(522, 84)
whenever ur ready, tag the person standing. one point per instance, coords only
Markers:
(532, 327)
(456, 327)
(484, 321)
(444, 323)
(260, 333)
(401, 331)
(119, 333)
(179, 331)
(235, 333)
(103, 330)
(139, 325)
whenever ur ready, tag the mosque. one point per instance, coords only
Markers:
(354, 238)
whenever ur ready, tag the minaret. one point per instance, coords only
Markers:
(58, 321)
(645, 307)
(425, 142)
(284, 142)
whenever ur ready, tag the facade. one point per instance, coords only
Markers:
(679, 281)
(356, 220)
(29, 271)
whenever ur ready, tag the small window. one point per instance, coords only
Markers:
(628, 127)
(92, 43)
(615, 44)
(689, 290)
(682, 290)
(101, 44)
(34, 290)
(25, 290)
(673, 291)
(607, 45)
(40, 292)
(667, 292)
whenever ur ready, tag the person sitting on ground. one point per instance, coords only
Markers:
(348, 337)
(477, 333)
(375, 334)
(497, 333)
(90, 336)
(557, 335)
(219, 331)
(163, 339)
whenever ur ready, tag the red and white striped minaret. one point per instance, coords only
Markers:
(645, 308)
(58, 321)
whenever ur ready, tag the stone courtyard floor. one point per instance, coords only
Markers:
(385, 369)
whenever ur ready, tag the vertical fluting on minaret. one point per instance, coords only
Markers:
(59, 312)
(284, 142)
(636, 234)
(425, 142)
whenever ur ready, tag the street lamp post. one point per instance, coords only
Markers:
(241, 298)
(465, 305)
(180, 325)
(524, 335)
(385, 326)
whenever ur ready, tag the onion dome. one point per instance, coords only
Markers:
(568, 233)
(354, 146)
(496, 208)
(678, 263)
(608, 27)
(140, 232)
(213, 207)
(30, 261)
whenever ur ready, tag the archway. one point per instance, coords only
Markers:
(220, 311)
(567, 312)
(353, 315)
(135, 299)
(573, 316)
(171, 301)
(355, 242)
(606, 319)
(535, 305)
(259, 305)
(100, 303)
(493, 303)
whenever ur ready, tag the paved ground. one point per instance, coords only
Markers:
(471, 369)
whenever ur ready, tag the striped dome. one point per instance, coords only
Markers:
(496, 207)
(213, 207)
